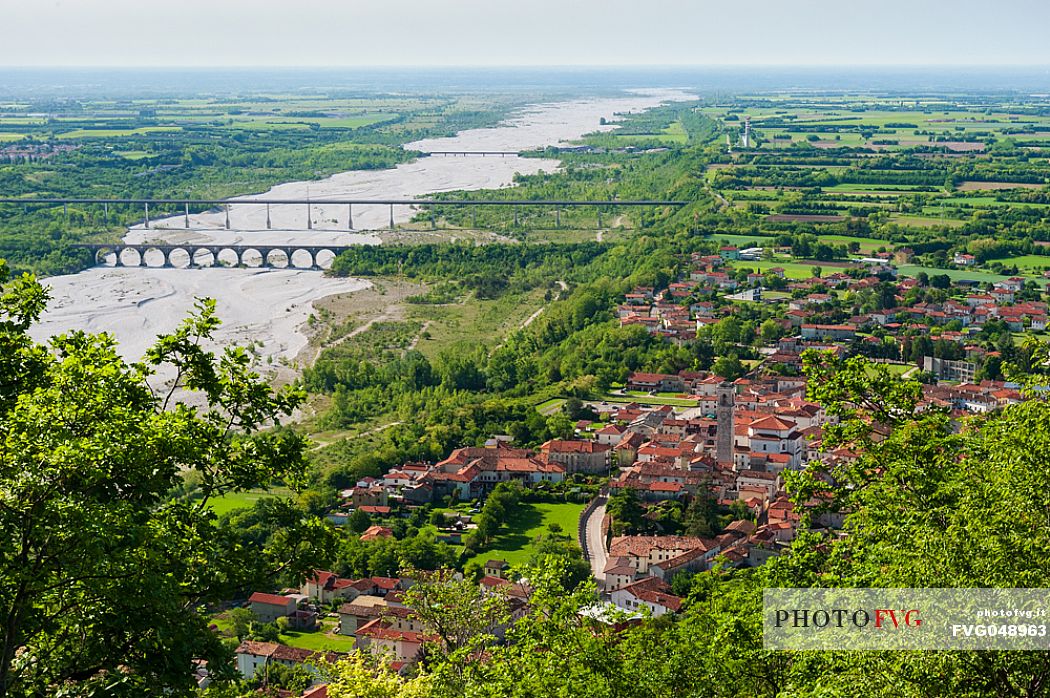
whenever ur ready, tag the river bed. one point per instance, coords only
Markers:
(270, 306)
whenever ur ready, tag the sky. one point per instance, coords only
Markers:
(148, 33)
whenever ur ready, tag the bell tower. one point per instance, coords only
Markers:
(726, 395)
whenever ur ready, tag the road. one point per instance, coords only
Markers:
(595, 542)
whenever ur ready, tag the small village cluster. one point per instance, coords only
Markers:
(675, 313)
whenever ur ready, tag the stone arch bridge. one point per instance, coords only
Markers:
(202, 255)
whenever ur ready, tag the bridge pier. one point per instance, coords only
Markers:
(267, 216)
(391, 216)
(349, 216)
(147, 216)
(227, 207)
(105, 212)
(309, 217)
(557, 218)
(116, 262)
(186, 214)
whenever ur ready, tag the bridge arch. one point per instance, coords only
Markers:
(103, 255)
(179, 258)
(323, 258)
(252, 257)
(227, 257)
(131, 257)
(301, 258)
(278, 258)
(204, 257)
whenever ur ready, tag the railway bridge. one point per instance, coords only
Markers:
(205, 255)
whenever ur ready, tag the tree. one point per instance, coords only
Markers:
(358, 521)
(364, 675)
(729, 367)
(626, 511)
(457, 610)
(100, 572)
(241, 619)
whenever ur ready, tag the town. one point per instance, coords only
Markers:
(667, 443)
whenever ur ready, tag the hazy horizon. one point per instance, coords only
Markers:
(402, 33)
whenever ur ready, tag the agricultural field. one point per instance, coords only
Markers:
(880, 173)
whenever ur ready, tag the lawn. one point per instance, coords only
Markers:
(894, 369)
(646, 399)
(548, 407)
(792, 270)
(243, 500)
(529, 520)
(320, 641)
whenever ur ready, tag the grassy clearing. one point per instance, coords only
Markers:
(529, 520)
(472, 321)
(244, 500)
(324, 640)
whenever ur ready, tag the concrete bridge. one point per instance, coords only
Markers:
(199, 256)
(471, 153)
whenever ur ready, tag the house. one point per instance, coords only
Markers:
(610, 434)
(473, 472)
(773, 435)
(376, 532)
(836, 332)
(578, 456)
(269, 607)
(397, 633)
(651, 593)
(964, 260)
(325, 587)
(497, 568)
(642, 551)
(655, 382)
(253, 656)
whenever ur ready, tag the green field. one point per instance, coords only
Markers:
(953, 274)
(117, 132)
(792, 270)
(243, 500)
(515, 543)
(322, 640)
(1029, 262)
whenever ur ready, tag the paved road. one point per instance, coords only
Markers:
(595, 551)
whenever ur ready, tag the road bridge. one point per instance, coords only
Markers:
(173, 206)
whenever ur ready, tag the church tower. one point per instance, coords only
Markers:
(724, 414)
